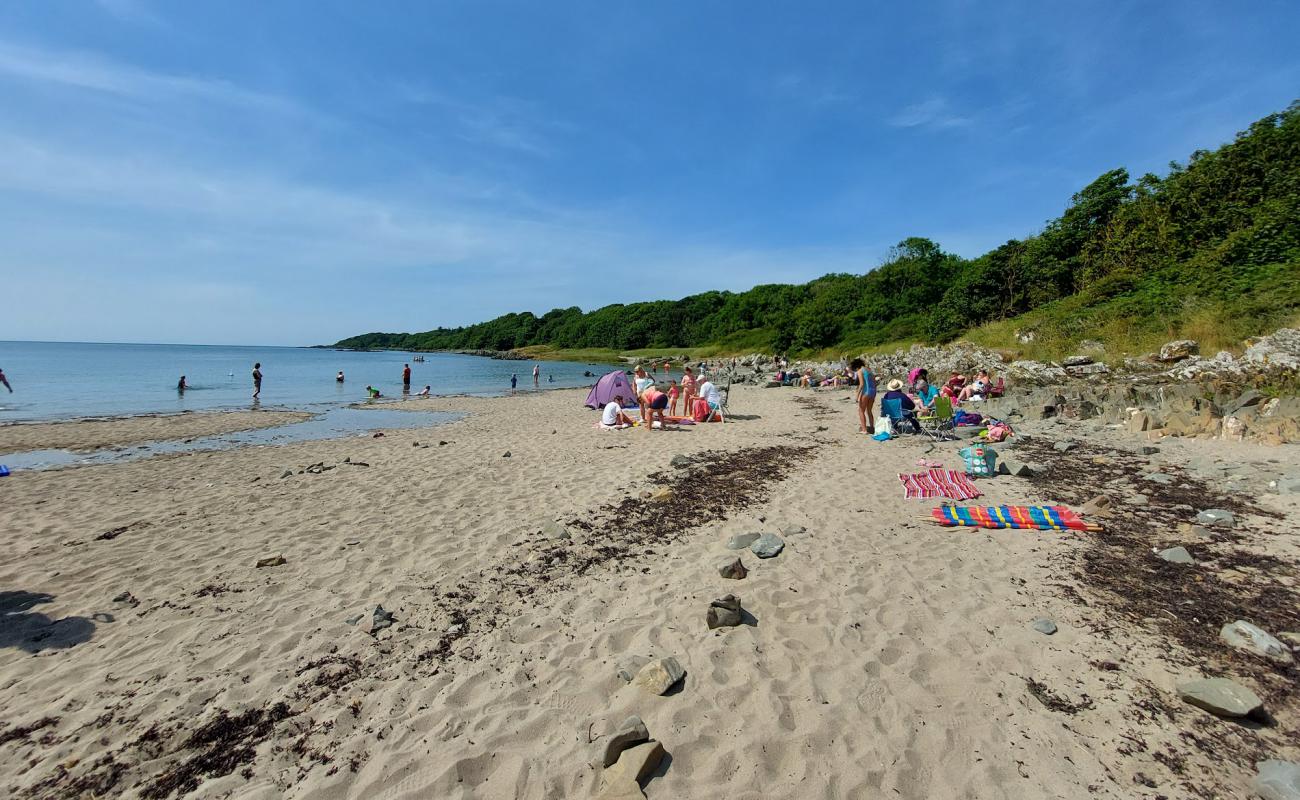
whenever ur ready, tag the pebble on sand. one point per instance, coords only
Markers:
(659, 676)
(1176, 555)
(1216, 518)
(271, 561)
(742, 541)
(723, 612)
(1277, 780)
(769, 545)
(1044, 625)
(1221, 696)
(733, 568)
(1244, 636)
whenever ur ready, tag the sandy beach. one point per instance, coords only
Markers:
(143, 653)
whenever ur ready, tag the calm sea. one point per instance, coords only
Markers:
(58, 380)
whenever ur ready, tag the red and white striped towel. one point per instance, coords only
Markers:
(939, 483)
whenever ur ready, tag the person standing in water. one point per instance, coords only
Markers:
(257, 379)
(514, 381)
(537, 374)
(5, 381)
(406, 378)
(339, 378)
(181, 385)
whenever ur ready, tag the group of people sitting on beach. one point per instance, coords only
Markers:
(653, 401)
(918, 396)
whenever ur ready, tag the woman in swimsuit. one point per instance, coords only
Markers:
(866, 396)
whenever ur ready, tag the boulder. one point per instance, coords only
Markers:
(742, 541)
(1216, 518)
(633, 764)
(1179, 350)
(1277, 780)
(1280, 350)
(1176, 555)
(1019, 469)
(630, 732)
(1221, 696)
(723, 612)
(733, 568)
(659, 676)
(1244, 636)
(768, 545)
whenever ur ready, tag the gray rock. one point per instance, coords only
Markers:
(1179, 350)
(1177, 555)
(1216, 518)
(287, 473)
(792, 530)
(1139, 500)
(679, 462)
(1277, 780)
(1160, 478)
(1098, 506)
(1044, 625)
(1064, 447)
(659, 676)
(732, 568)
(742, 541)
(768, 545)
(1076, 361)
(1244, 636)
(723, 612)
(1286, 485)
(554, 530)
(1019, 469)
(1220, 696)
(271, 561)
(506, 454)
(633, 764)
(376, 621)
(1148, 450)
(630, 732)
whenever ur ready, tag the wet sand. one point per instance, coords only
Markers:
(85, 435)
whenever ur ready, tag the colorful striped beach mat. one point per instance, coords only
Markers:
(939, 483)
(1048, 518)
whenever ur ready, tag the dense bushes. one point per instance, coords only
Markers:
(1221, 232)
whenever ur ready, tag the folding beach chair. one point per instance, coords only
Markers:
(897, 416)
(938, 424)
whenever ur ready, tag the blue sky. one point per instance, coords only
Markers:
(296, 172)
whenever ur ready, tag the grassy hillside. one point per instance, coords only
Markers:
(1210, 251)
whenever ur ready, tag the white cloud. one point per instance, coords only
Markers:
(932, 113)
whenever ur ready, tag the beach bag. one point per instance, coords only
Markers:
(701, 411)
(981, 462)
(967, 418)
(884, 425)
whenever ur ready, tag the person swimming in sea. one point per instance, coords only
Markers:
(339, 378)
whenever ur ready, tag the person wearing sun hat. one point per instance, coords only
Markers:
(894, 391)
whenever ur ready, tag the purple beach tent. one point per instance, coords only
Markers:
(611, 386)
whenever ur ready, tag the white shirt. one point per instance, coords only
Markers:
(710, 393)
(610, 415)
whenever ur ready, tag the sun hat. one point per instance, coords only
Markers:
(895, 385)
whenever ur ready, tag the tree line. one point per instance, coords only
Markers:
(1223, 228)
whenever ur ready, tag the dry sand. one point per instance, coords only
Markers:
(143, 654)
(84, 435)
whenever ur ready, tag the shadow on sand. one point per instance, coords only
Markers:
(22, 628)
